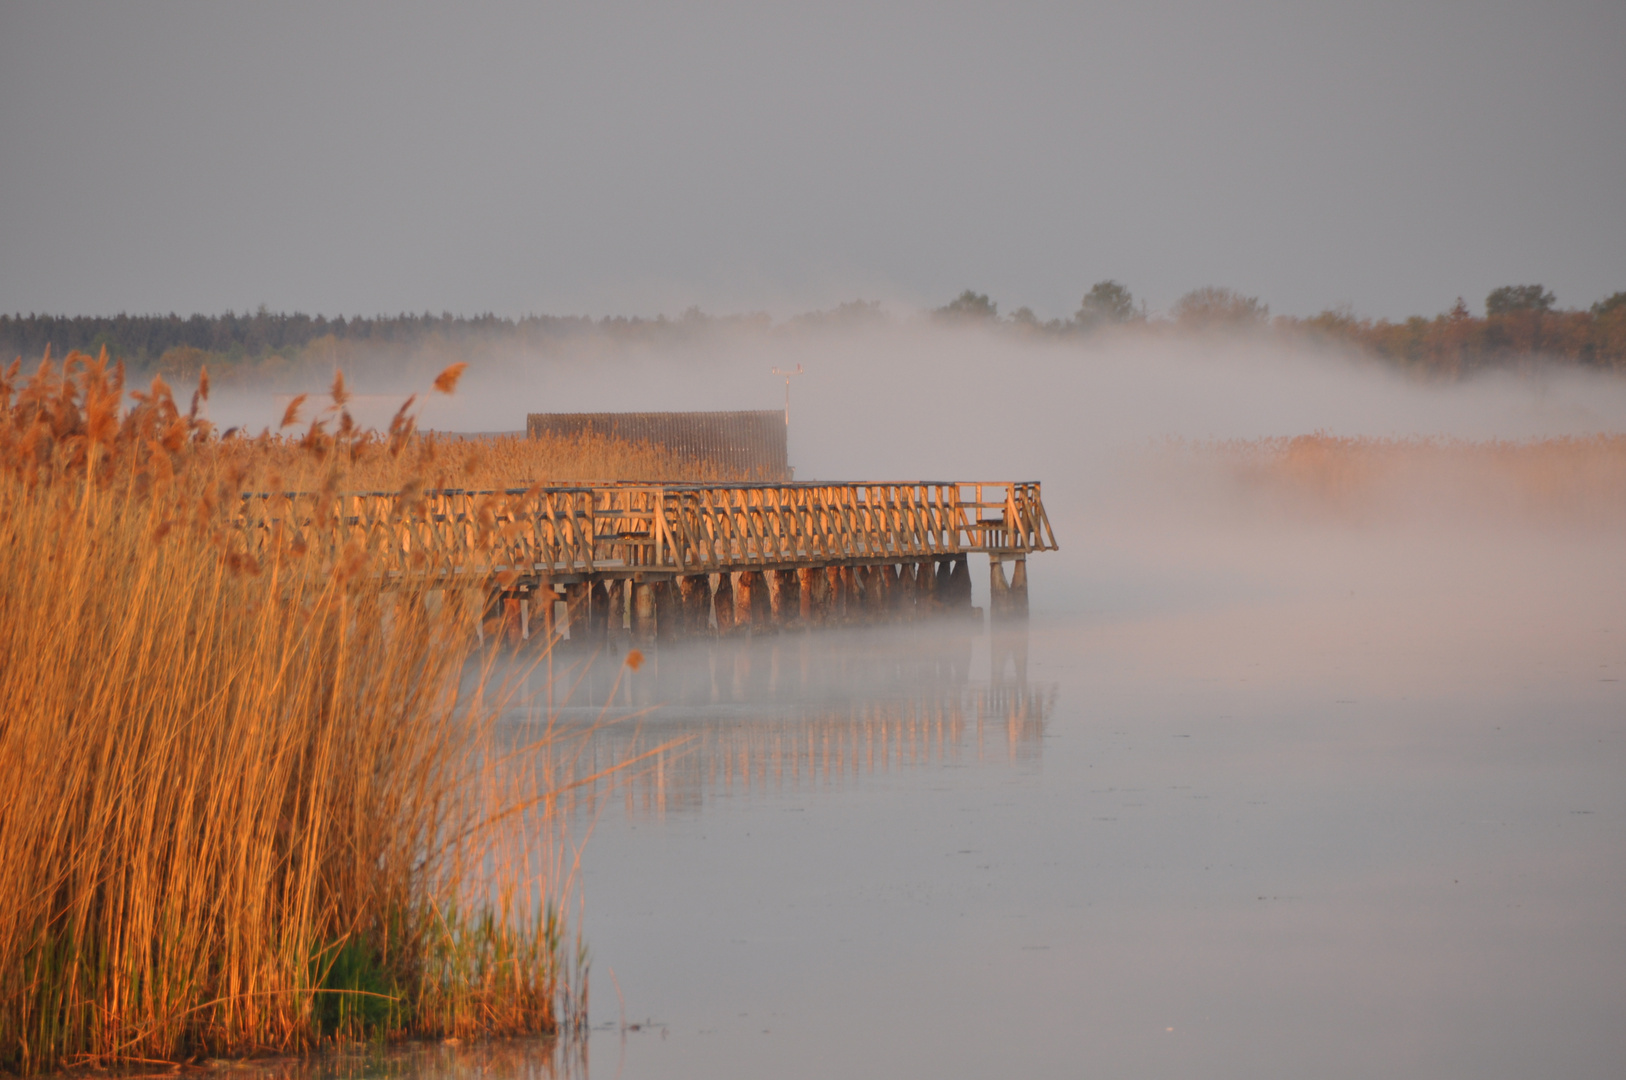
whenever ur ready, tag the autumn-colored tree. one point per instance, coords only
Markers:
(1211, 308)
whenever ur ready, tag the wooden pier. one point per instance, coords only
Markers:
(673, 560)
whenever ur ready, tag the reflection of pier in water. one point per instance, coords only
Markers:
(795, 712)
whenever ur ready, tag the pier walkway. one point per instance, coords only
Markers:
(688, 558)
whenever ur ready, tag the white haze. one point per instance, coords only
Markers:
(911, 401)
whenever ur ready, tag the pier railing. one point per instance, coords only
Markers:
(658, 529)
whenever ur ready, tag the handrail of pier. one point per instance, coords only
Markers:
(675, 528)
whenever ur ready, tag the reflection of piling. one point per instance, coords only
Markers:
(819, 716)
(1008, 651)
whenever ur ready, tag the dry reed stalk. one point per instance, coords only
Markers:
(243, 807)
(440, 461)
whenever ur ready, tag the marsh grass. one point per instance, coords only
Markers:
(402, 456)
(245, 806)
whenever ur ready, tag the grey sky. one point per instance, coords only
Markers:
(633, 158)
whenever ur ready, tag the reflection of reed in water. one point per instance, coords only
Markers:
(800, 712)
(516, 1059)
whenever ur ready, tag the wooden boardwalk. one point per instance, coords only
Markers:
(897, 548)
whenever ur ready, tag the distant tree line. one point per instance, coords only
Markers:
(142, 341)
(1521, 324)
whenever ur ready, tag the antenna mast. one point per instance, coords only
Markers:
(789, 375)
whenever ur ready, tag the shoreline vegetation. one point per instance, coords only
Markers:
(254, 802)
(1521, 327)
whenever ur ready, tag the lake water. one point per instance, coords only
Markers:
(1349, 804)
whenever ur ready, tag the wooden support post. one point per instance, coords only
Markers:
(542, 600)
(723, 603)
(576, 609)
(781, 597)
(643, 612)
(816, 593)
(891, 593)
(956, 589)
(694, 593)
(790, 593)
(598, 612)
(874, 594)
(804, 595)
(926, 599)
(746, 583)
(1019, 588)
(849, 599)
(668, 612)
(906, 590)
(999, 591)
(750, 598)
(761, 601)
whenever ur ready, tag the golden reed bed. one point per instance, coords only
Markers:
(392, 460)
(252, 806)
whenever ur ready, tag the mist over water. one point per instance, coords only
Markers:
(1297, 771)
(1092, 419)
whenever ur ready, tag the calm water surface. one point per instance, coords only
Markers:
(1272, 838)
(1350, 803)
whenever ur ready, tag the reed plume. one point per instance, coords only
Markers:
(248, 800)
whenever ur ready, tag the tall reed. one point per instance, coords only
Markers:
(243, 804)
